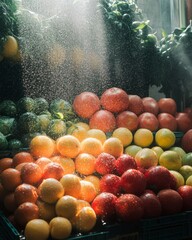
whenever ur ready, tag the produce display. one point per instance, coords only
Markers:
(99, 160)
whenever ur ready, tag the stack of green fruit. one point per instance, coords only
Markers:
(22, 120)
(176, 52)
(132, 47)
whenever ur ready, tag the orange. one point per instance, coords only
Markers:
(83, 124)
(46, 210)
(9, 202)
(68, 146)
(81, 204)
(50, 190)
(143, 137)
(67, 163)
(77, 131)
(37, 229)
(92, 146)
(10, 178)
(31, 173)
(95, 181)
(124, 135)
(165, 138)
(19, 166)
(22, 157)
(85, 220)
(158, 150)
(42, 162)
(10, 47)
(77, 56)
(42, 146)
(171, 160)
(53, 170)
(113, 146)
(88, 192)
(85, 163)
(25, 193)
(146, 158)
(24, 213)
(56, 55)
(66, 207)
(60, 228)
(5, 163)
(98, 134)
(71, 184)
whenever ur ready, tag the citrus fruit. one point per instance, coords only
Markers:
(68, 146)
(180, 181)
(81, 204)
(86, 104)
(71, 184)
(165, 138)
(115, 100)
(158, 150)
(179, 150)
(68, 164)
(50, 190)
(77, 56)
(5, 163)
(113, 146)
(10, 178)
(85, 220)
(31, 173)
(42, 146)
(88, 192)
(22, 157)
(10, 47)
(9, 202)
(83, 124)
(85, 163)
(189, 181)
(37, 229)
(98, 134)
(44, 121)
(77, 131)
(143, 137)
(95, 181)
(146, 158)
(46, 210)
(171, 160)
(28, 122)
(25, 193)
(66, 207)
(103, 120)
(42, 162)
(185, 171)
(132, 150)
(60, 228)
(41, 104)
(187, 159)
(25, 212)
(56, 55)
(91, 146)
(124, 135)
(53, 170)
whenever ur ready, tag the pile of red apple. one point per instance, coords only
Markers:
(129, 193)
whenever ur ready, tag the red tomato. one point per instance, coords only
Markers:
(127, 119)
(149, 121)
(167, 120)
(150, 105)
(135, 104)
(183, 122)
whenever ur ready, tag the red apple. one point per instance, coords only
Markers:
(167, 105)
(171, 201)
(127, 119)
(152, 205)
(129, 208)
(135, 104)
(125, 162)
(110, 183)
(105, 163)
(115, 100)
(150, 105)
(149, 121)
(167, 120)
(186, 193)
(186, 141)
(184, 122)
(158, 177)
(104, 206)
(133, 181)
